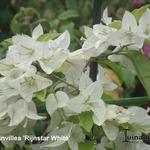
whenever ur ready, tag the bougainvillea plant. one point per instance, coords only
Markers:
(45, 87)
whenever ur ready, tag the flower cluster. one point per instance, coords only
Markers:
(33, 65)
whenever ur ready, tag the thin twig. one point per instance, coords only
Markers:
(57, 77)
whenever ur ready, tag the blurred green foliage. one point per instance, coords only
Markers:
(20, 16)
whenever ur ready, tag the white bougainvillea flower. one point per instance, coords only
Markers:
(76, 64)
(126, 38)
(114, 114)
(89, 99)
(20, 81)
(20, 110)
(55, 101)
(18, 75)
(128, 35)
(53, 62)
(118, 114)
(107, 20)
(24, 83)
(91, 39)
(26, 49)
(133, 115)
(98, 38)
(58, 50)
(33, 84)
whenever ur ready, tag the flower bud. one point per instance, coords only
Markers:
(138, 3)
(146, 50)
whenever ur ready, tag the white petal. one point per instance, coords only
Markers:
(42, 83)
(65, 131)
(26, 91)
(73, 69)
(7, 90)
(129, 22)
(110, 130)
(23, 40)
(84, 82)
(17, 112)
(88, 31)
(99, 110)
(3, 109)
(140, 116)
(32, 112)
(90, 42)
(109, 86)
(120, 39)
(37, 32)
(51, 104)
(94, 90)
(52, 63)
(76, 104)
(63, 41)
(107, 20)
(5, 67)
(62, 99)
(144, 23)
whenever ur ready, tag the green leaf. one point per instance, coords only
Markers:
(74, 119)
(48, 36)
(135, 101)
(142, 67)
(4, 46)
(68, 14)
(39, 128)
(106, 97)
(41, 95)
(124, 75)
(127, 126)
(139, 12)
(115, 24)
(86, 120)
(86, 145)
(69, 26)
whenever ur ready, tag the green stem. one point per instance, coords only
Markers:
(57, 77)
(133, 101)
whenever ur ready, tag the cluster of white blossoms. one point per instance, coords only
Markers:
(31, 65)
